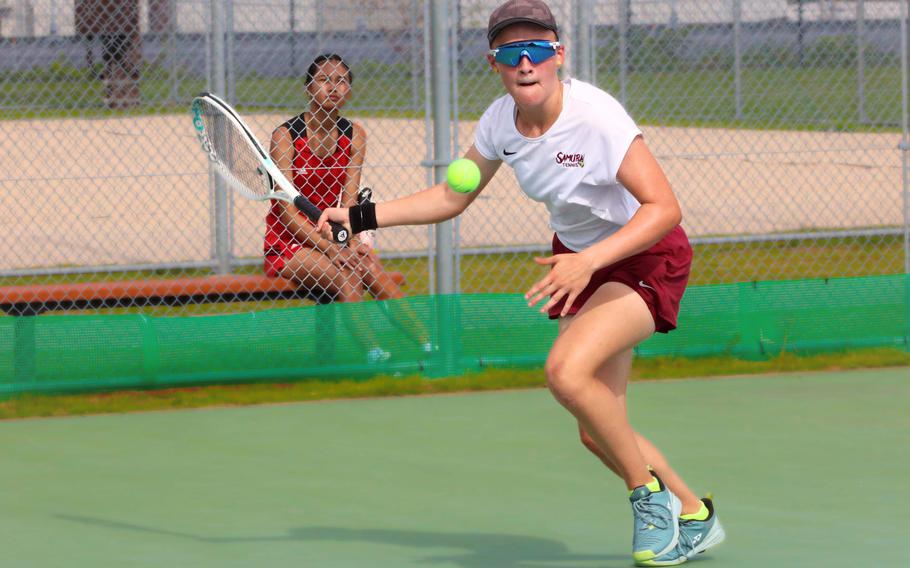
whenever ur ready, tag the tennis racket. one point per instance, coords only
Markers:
(242, 161)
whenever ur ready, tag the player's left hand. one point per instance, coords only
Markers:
(569, 274)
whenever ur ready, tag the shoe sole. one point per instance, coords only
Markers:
(677, 562)
(676, 507)
(715, 536)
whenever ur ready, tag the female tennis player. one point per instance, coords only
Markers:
(620, 259)
(322, 153)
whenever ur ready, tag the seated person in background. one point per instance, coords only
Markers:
(322, 154)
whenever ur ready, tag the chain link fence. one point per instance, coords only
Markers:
(782, 126)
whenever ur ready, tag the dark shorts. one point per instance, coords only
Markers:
(659, 275)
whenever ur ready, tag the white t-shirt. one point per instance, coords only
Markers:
(572, 167)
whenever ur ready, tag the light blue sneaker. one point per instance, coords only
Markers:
(655, 511)
(695, 537)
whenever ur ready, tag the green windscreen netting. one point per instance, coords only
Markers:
(433, 335)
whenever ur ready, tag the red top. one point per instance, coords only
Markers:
(321, 180)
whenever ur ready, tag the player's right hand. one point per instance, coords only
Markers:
(337, 214)
(569, 275)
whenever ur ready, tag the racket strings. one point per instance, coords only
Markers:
(232, 151)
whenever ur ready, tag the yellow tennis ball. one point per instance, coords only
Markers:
(463, 175)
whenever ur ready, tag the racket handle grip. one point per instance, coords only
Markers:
(339, 234)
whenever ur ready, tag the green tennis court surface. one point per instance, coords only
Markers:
(807, 470)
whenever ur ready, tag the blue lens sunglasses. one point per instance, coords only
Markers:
(537, 51)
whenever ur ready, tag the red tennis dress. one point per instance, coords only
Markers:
(321, 180)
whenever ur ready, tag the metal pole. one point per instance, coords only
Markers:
(860, 60)
(172, 49)
(592, 52)
(292, 17)
(231, 78)
(446, 320)
(415, 58)
(905, 161)
(569, 38)
(428, 140)
(454, 69)
(320, 24)
(738, 57)
(218, 72)
(905, 139)
(442, 148)
(582, 26)
(230, 70)
(217, 81)
(592, 13)
(624, 14)
(53, 25)
(799, 32)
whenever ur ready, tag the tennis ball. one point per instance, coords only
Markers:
(463, 175)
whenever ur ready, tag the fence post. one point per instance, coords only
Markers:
(442, 154)
(320, 24)
(428, 138)
(625, 14)
(905, 159)
(905, 136)
(292, 30)
(442, 147)
(172, 48)
(454, 70)
(217, 82)
(415, 58)
(230, 69)
(860, 61)
(799, 32)
(581, 27)
(583, 47)
(738, 57)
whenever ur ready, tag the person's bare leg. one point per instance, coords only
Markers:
(311, 268)
(691, 503)
(611, 322)
(378, 281)
(615, 373)
(704, 532)
(381, 285)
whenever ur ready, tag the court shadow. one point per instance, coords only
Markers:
(480, 550)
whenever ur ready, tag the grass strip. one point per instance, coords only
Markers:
(657, 368)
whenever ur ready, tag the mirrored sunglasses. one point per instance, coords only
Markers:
(537, 51)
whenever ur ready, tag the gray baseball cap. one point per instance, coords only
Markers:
(515, 11)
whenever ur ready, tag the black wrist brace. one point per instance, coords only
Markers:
(363, 217)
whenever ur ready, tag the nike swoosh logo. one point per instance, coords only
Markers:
(507, 153)
(643, 285)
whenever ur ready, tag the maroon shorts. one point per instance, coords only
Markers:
(659, 275)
